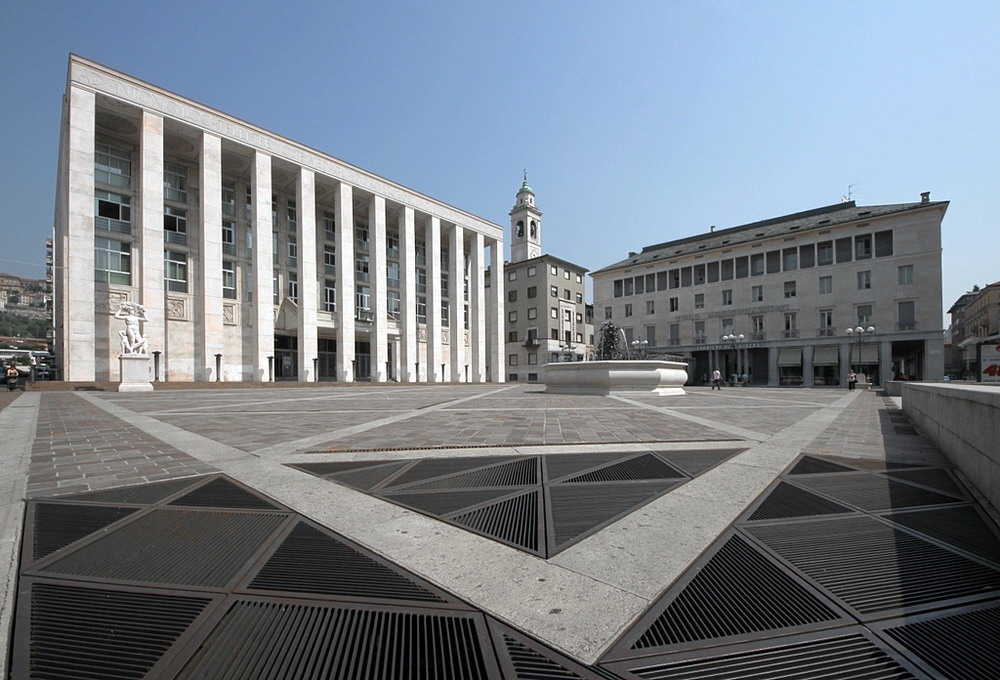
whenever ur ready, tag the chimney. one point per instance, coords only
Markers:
(925, 197)
(711, 229)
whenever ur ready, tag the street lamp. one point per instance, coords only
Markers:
(733, 341)
(860, 331)
(640, 348)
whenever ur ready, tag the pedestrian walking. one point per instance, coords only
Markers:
(717, 380)
(852, 380)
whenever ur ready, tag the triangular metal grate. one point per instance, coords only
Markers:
(522, 658)
(443, 502)
(56, 525)
(977, 534)
(576, 511)
(643, 467)
(514, 521)
(935, 478)
(811, 465)
(258, 640)
(564, 465)
(142, 494)
(77, 632)
(696, 462)
(368, 478)
(331, 467)
(431, 468)
(737, 591)
(517, 473)
(787, 501)
(222, 493)
(872, 492)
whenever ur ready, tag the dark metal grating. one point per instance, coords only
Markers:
(936, 478)
(564, 465)
(810, 465)
(871, 492)
(443, 502)
(787, 501)
(185, 547)
(964, 527)
(57, 525)
(737, 591)
(311, 561)
(845, 657)
(646, 466)
(523, 658)
(876, 568)
(322, 469)
(695, 462)
(964, 646)
(368, 478)
(431, 468)
(78, 633)
(514, 520)
(578, 510)
(143, 494)
(517, 473)
(259, 640)
(222, 493)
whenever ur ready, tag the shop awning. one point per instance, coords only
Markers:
(868, 354)
(826, 356)
(790, 357)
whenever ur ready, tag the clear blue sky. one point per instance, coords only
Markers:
(638, 122)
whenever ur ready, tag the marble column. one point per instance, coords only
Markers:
(208, 320)
(77, 240)
(263, 264)
(845, 362)
(773, 372)
(433, 239)
(456, 296)
(305, 203)
(808, 374)
(380, 327)
(477, 310)
(150, 210)
(885, 362)
(409, 355)
(496, 359)
(344, 206)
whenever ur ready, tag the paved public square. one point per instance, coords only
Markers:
(567, 536)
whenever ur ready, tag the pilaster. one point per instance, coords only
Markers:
(456, 296)
(477, 310)
(433, 238)
(208, 322)
(150, 210)
(495, 362)
(380, 326)
(409, 355)
(263, 264)
(305, 203)
(344, 206)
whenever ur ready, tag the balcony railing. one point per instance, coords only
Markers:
(673, 342)
(791, 334)
(178, 237)
(906, 326)
(531, 341)
(824, 332)
(363, 315)
(758, 337)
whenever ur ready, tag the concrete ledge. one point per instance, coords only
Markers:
(616, 378)
(962, 421)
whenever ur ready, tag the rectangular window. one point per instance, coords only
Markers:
(906, 275)
(727, 296)
(532, 360)
(274, 287)
(863, 247)
(175, 225)
(362, 264)
(825, 285)
(532, 313)
(742, 267)
(757, 264)
(649, 307)
(291, 214)
(699, 332)
(293, 251)
(567, 295)
(329, 258)
(532, 291)
(512, 316)
(554, 270)
(906, 315)
(773, 259)
(825, 328)
(421, 285)
(619, 290)
(628, 310)
(790, 259)
(293, 286)
(229, 279)
(392, 274)
(757, 326)
(699, 301)
(392, 303)
(629, 287)
(842, 247)
(807, 256)
(640, 285)
(512, 360)
(175, 182)
(361, 237)
(554, 291)
(228, 237)
(864, 280)
(363, 298)
(511, 336)
(421, 310)
(675, 304)
(112, 262)
(392, 245)
(420, 254)
(579, 278)
(661, 280)
(175, 271)
(329, 225)
(532, 270)
(864, 314)
(675, 278)
(607, 312)
(824, 253)
(789, 289)
(566, 274)
(883, 243)
(511, 296)
(579, 298)
(112, 166)
(112, 212)
(553, 312)
(727, 270)
(685, 277)
(712, 272)
(757, 294)
(791, 329)
(650, 282)
(229, 197)
(699, 276)
(329, 295)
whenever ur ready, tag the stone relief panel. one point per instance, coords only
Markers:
(230, 315)
(111, 303)
(421, 333)
(468, 338)
(177, 309)
(446, 336)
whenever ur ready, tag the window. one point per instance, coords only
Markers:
(906, 275)
(363, 298)
(532, 270)
(175, 225)
(293, 251)
(567, 295)
(757, 264)
(229, 279)
(863, 247)
(420, 253)
(685, 277)
(628, 309)
(392, 303)
(906, 315)
(229, 197)
(274, 287)
(112, 261)
(554, 291)
(727, 296)
(661, 280)
(511, 296)
(789, 289)
(807, 256)
(825, 323)
(553, 312)
(554, 334)
(568, 314)
(607, 312)
(864, 280)
(329, 295)
(392, 245)
(773, 259)
(699, 301)
(629, 286)
(712, 272)
(640, 285)
(864, 315)
(883, 243)
(392, 274)
(756, 293)
(566, 274)
(291, 214)
(511, 336)
(532, 313)
(579, 278)
(174, 182)
(742, 268)
(329, 258)
(421, 285)
(175, 271)
(791, 329)
(757, 327)
(825, 285)
(699, 332)
(675, 304)
(554, 270)
(512, 275)
(789, 259)
(843, 250)
(112, 166)
(727, 270)
(618, 288)
(532, 291)
(362, 264)
(649, 307)
(329, 225)
(228, 237)
(293, 286)
(532, 360)
(579, 298)
(512, 360)
(512, 316)
(421, 310)
(824, 253)
(113, 212)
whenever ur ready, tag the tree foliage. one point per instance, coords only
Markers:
(14, 324)
(609, 345)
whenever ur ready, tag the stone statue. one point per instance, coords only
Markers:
(133, 342)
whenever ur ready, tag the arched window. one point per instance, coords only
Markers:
(520, 229)
(534, 229)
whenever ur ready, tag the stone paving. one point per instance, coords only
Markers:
(90, 441)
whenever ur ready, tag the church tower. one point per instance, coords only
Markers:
(525, 225)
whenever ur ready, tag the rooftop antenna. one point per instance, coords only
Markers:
(850, 191)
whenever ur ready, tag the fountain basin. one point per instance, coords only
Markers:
(616, 378)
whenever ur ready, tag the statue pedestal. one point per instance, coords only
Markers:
(137, 372)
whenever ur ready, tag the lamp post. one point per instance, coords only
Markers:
(733, 340)
(640, 348)
(860, 332)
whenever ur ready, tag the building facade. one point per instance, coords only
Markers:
(773, 300)
(975, 321)
(547, 318)
(254, 253)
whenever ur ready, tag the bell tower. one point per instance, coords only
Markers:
(525, 225)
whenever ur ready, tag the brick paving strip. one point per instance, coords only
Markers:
(618, 572)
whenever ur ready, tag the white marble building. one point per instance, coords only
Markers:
(160, 202)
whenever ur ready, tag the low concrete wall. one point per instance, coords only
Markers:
(964, 422)
(620, 377)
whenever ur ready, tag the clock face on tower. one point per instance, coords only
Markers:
(533, 252)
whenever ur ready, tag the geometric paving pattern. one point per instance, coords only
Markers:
(539, 504)
(229, 584)
(841, 569)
